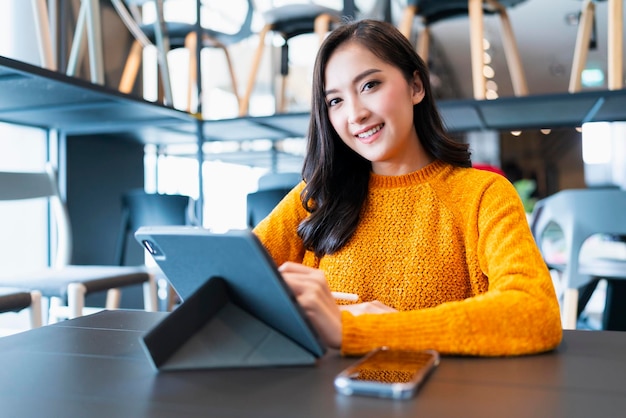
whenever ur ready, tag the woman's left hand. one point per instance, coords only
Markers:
(312, 292)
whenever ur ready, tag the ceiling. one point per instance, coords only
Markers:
(546, 38)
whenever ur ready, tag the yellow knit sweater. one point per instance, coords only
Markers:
(450, 248)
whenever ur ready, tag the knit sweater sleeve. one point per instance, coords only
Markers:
(278, 231)
(517, 314)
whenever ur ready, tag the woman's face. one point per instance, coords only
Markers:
(370, 105)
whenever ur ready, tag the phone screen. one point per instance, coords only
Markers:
(387, 373)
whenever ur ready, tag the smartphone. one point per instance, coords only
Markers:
(387, 373)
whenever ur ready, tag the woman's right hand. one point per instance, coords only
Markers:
(311, 290)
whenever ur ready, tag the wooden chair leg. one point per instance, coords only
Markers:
(406, 23)
(131, 68)
(511, 52)
(615, 44)
(254, 68)
(113, 299)
(75, 299)
(191, 43)
(570, 308)
(476, 47)
(42, 29)
(585, 25)
(231, 72)
(161, 89)
(423, 44)
(282, 95)
(35, 309)
(321, 27)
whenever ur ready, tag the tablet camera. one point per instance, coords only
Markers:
(152, 248)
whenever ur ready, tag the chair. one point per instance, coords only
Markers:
(287, 21)
(279, 180)
(579, 214)
(140, 208)
(615, 31)
(272, 187)
(66, 285)
(433, 11)
(15, 300)
(260, 203)
(88, 27)
(176, 35)
(44, 38)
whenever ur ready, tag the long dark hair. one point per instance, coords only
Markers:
(336, 177)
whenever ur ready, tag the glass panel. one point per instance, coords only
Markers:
(23, 225)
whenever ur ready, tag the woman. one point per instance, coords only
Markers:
(439, 254)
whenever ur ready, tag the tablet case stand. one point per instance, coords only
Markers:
(209, 330)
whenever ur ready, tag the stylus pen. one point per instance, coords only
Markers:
(345, 296)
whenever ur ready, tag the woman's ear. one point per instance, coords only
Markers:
(418, 88)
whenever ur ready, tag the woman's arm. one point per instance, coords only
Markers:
(518, 314)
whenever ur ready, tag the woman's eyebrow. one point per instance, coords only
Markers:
(356, 79)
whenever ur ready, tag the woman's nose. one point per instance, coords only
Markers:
(357, 112)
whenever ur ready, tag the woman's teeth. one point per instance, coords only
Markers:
(370, 132)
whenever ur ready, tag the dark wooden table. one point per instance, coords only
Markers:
(95, 366)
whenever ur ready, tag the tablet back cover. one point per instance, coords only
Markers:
(190, 256)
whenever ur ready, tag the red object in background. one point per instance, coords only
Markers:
(488, 167)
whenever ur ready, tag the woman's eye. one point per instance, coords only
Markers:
(333, 102)
(370, 85)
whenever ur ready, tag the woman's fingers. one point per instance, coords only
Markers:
(302, 272)
(290, 266)
(303, 279)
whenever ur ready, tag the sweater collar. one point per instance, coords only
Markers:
(422, 175)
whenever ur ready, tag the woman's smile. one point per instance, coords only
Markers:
(369, 135)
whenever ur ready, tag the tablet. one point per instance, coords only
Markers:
(190, 256)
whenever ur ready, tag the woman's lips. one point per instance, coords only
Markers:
(370, 134)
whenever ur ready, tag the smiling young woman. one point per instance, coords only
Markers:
(389, 209)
